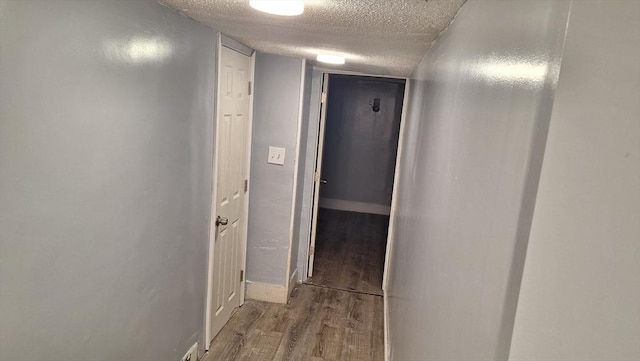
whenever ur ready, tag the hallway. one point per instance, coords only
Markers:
(163, 164)
(317, 324)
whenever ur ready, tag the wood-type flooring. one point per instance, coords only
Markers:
(337, 316)
(350, 250)
(318, 324)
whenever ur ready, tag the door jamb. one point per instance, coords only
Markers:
(223, 40)
(214, 181)
(324, 90)
(392, 221)
(293, 275)
(394, 191)
(356, 73)
(245, 230)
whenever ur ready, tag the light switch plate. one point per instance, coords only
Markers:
(276, 155)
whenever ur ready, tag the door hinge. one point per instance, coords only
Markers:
(246, 185)
(249, 88)
(241, 275)
(324, 98)
(312, 251)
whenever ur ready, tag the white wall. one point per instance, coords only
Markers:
(276, 118)
(106, 130)
(475, 131)
(580, 295)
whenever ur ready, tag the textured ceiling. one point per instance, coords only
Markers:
(381, 37)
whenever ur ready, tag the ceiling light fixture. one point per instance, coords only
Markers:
(331, 58)
(279, 7)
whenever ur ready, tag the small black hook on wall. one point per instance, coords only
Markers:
(376, 105)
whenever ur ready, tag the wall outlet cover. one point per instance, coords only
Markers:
(192, 354)
(276, 155)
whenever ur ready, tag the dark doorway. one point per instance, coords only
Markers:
(362, 126)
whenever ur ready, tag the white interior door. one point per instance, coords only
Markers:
(317, 177)
(228, 211)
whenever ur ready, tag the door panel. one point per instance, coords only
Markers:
(231, 156)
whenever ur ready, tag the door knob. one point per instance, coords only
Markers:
(323, 181)
(221, 221)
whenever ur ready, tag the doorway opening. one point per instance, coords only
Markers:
(358, 141)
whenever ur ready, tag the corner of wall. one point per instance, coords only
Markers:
(294, 280)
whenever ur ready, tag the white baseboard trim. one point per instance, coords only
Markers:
(387, 339)
(267, 292)
(350, 206)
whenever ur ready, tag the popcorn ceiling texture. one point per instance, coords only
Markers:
(381, 37)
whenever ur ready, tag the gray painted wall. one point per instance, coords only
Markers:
(360, 145)
(105, 149)
(275, 123)
(580, 296)
(475, 131)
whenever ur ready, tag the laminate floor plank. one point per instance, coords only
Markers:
(293, 345)
(261, 346)
(318, 324)
(234, 334)
(350, 249)
(377, 334)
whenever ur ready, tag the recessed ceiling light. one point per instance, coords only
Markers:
(331, 58)
(279, 7)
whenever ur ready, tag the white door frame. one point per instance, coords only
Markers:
(356, 73)
(317, 173)
(245, 227)
(222, 40)
(394, 191)
(392, 222)
(319, 147)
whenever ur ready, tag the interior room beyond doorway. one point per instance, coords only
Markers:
(357, 159)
